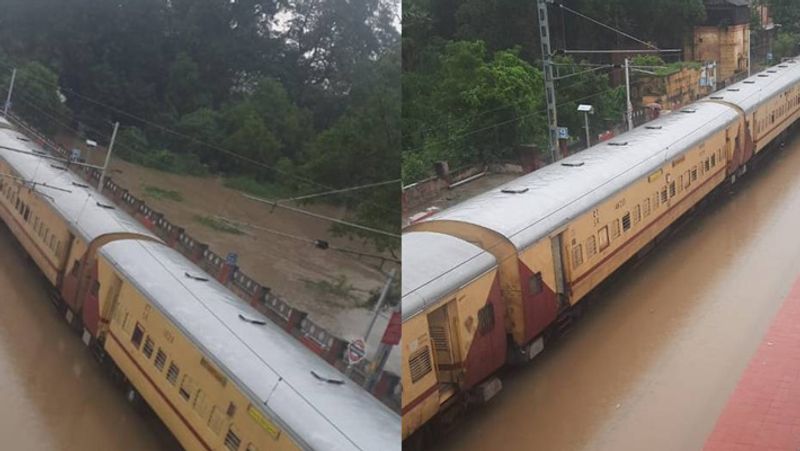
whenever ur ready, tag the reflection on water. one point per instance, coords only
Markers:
(54, 396)
(651, 364)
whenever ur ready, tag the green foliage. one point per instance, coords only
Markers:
(221, 74)
(263, 189)
(467, 105)
(787, 13)
(161, 193)
(786, 45)
(218, 225)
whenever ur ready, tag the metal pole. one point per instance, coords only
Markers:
(629, 113)
(549, 83)
(101, 183)
(10, 90)
(379, 304)
(588, 135)
(749, 52)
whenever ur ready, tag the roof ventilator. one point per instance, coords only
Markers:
(716, 97)
(763, 75)
(573, 165)
(257, 322)
(60, 168)
(22, 138)
(653, 127)
(197, 278)
(514, 190)
(749, 82)
(772, 71)
(106, 206)
(733, 90)
(618, 144)
(81, 185)
(327, 379)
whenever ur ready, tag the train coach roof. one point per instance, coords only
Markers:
(750, 92)
(78, 205)
(435, 265)
(273, 367)
(531, 207)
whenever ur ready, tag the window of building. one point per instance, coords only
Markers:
(603, 237)
(161, 359)
(138, 334)
(486, 319)
(626, 222)
(172, 373)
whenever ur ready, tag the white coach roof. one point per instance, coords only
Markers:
(435, 265)
(88, 213)
(272, 367)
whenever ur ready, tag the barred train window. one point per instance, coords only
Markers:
(419, 363)
(486, 319)
(626, 222)
(694, 173)
(646, 207)
(147, 350)
(615, 229)
(232, 441)
(672, 190)
(161, 359)
(637, 214)
(591, 247)
(172, 373)
(577, 255)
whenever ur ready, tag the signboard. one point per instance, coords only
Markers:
(232, 258)
(356, 351)
(563, 133)
(393, 330)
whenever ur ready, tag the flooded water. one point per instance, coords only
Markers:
(54, 396)
(652, 363)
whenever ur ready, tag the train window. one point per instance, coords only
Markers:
(591, 247)
(232, 441)
(75, 266)
(637, 214)
(138, 334)
(35, 223)
(713, 160)
(173, 372)
(147, 350)
(486, 319)
(687, 179)
(646, 207)
(419, 364)
(707, 165)
(52, 242)
(626, 222)
(577, 255)
(615, 229)
(672, 190)
(694, 173)
(95, 286)
(603, 236)
(17, 204)
(664, 195)
(535, 284)
(186, 387)
(161, 359)
(27, 213)
(58, 249)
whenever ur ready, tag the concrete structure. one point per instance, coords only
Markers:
(724, 37)
(673, 90)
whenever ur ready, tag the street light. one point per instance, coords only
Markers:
(586, 110)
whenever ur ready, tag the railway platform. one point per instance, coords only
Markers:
(763, 412)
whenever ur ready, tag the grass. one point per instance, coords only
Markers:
(160, 193)
(252, 186)
(340, 287)
(218, 225)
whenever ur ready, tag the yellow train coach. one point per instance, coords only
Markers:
(559, 232)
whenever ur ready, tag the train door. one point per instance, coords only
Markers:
(442, 325)
(557, 244)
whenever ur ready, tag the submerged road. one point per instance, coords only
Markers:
(53, 394)
(651, 364)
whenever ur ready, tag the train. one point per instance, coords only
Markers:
(491, 281)
(217, 373)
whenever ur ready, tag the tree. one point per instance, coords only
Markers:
(36, 98)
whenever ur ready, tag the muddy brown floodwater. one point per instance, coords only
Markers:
(652, 362)
(53, 394)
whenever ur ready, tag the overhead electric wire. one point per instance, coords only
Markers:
(629, 36)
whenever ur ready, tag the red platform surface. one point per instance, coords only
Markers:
(763, 413)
